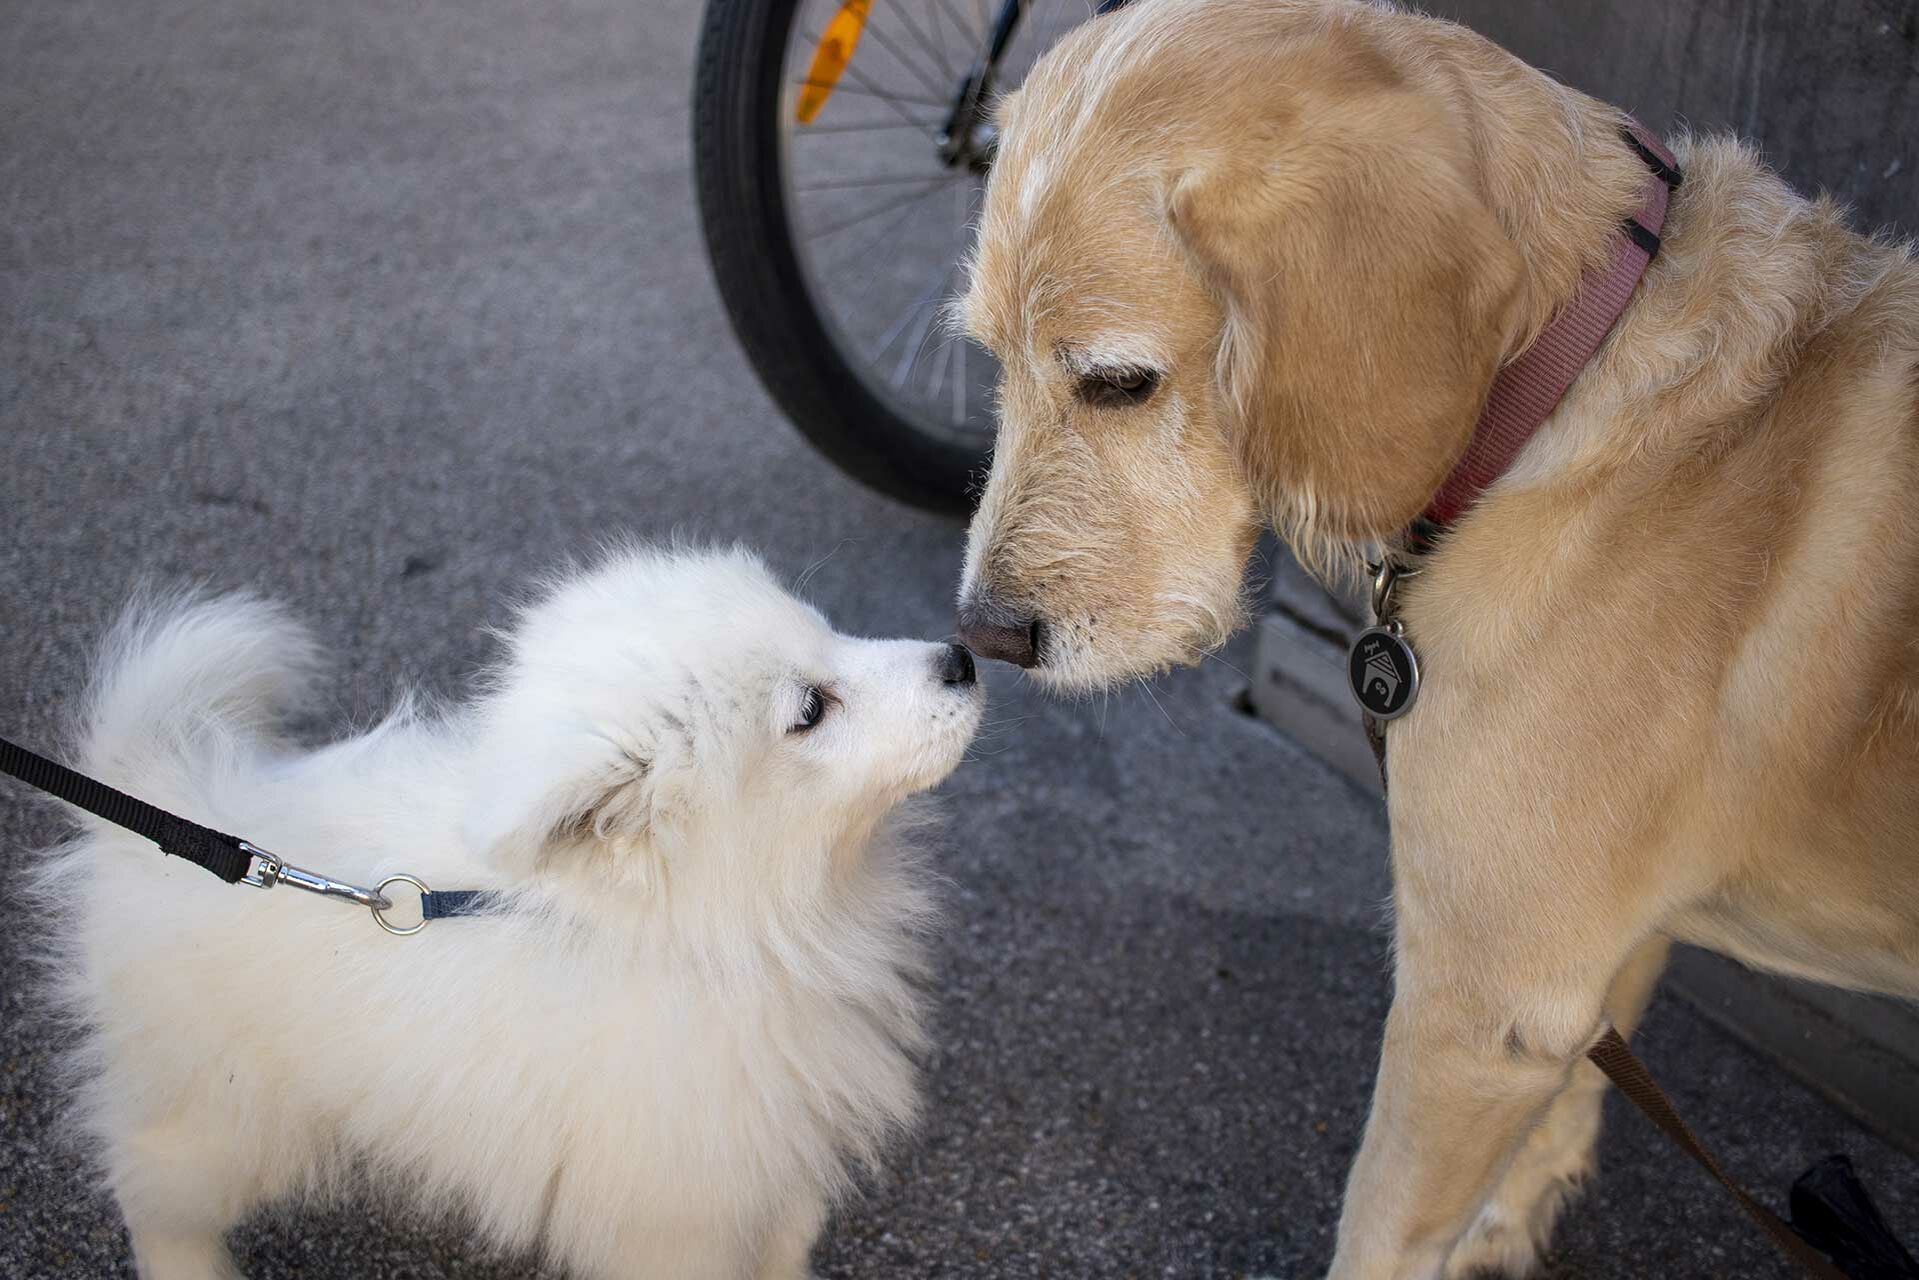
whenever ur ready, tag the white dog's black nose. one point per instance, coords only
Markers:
(995, 630)
(956, 665)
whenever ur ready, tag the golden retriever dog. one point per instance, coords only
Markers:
(1258, 261)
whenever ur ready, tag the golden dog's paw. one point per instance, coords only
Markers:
(1515, 1226)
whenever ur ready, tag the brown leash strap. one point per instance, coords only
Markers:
(1626, 1071)
(1376, 739)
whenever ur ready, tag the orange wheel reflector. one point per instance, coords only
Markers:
(830, 59)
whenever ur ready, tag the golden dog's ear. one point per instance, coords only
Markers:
(1368, 296)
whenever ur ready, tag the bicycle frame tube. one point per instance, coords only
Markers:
(956, 138)
(1009, 16)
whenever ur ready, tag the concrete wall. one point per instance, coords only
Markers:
(1830, 91)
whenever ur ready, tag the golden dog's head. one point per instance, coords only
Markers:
(1236, 269)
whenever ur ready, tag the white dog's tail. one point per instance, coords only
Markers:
(184, 679)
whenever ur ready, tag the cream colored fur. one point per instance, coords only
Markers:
(698, 1002)
(1672, 659)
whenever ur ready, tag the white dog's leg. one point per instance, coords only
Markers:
(169, 1257)
(789, 1255)
(180, 1189)
(701, 1242)
(1514, 1226)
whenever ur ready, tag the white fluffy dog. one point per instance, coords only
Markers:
(691, 1009)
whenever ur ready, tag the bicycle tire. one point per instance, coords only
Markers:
(743, 215)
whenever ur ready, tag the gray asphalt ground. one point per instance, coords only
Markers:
(381, 308)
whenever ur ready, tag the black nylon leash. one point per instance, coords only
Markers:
(234, 860)
(216, 851)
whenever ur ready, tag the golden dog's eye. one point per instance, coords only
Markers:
(1117, 388)
(812, 711)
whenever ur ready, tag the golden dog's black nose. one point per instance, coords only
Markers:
(994, 630)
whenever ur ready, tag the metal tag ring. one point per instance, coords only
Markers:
(1386, 575)
(379, 917)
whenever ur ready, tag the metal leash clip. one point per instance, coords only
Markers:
(268, 869)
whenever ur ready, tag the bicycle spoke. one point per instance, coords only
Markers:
(942, 361)
(879, 180)
(862, 252)
(939, 30)
(929, 79)
(892, 335)
(936, 52)
(861, 78)
(975, 40)
(930, 312)
(930, 84)
(928, 126)
(1047, 36)
(933, 187)
(967, 195)
(906, 318)
(894, 98)
(962, 390)
(910, 357)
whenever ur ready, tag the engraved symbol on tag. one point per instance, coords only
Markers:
(1383, 672)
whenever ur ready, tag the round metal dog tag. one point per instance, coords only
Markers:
(1383, 672)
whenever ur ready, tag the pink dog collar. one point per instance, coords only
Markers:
(1382, 668)
(1528, 390)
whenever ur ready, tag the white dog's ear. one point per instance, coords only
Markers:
(1368, 293)
(532, 814)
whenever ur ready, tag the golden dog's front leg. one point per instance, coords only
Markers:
(1515, 1224)
(1486, 1027)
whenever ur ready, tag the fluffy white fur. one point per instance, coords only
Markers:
(695, 1011)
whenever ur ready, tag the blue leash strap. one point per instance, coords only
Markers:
(446, 904)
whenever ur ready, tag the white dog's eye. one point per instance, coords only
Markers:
(1117, 388)
(812, 710)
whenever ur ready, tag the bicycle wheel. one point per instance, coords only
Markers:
(836, 242)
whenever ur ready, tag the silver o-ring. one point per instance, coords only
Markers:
(381, 919)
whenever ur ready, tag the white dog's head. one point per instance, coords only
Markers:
(675, 720)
